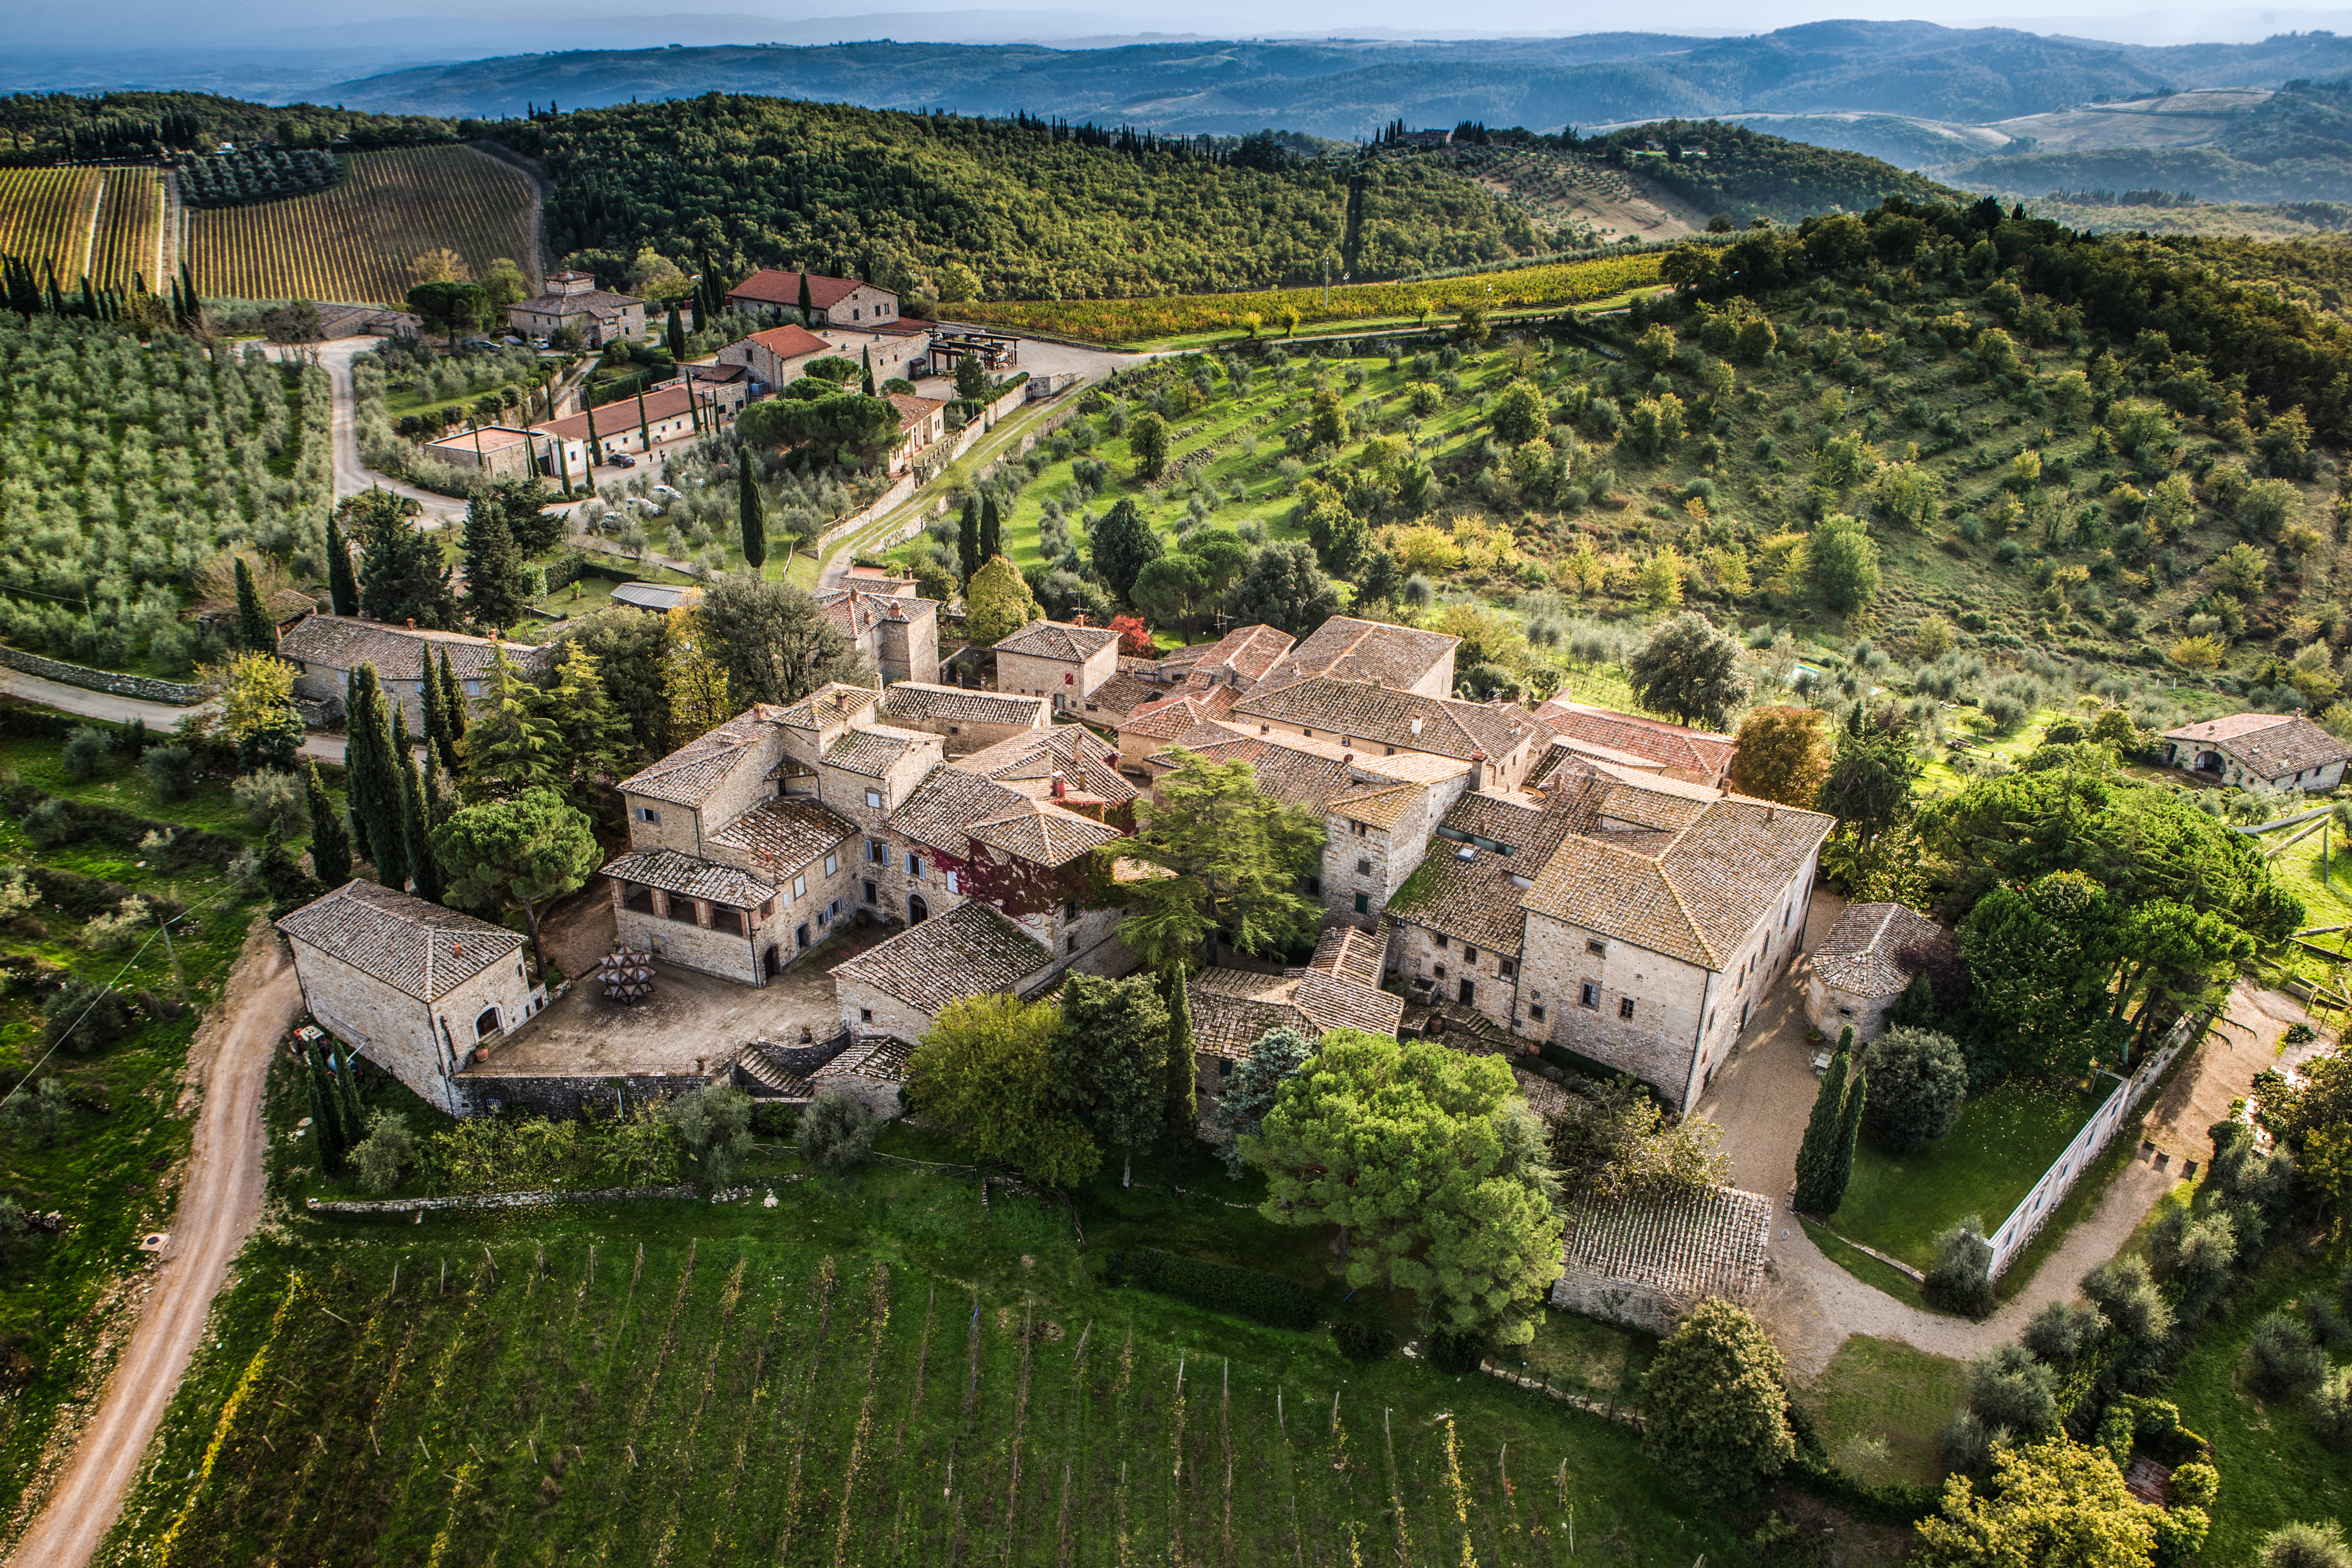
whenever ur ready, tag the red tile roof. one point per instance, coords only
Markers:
(770, 286)
(789, 342)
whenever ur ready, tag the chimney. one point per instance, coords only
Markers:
(411, 623)
(1079, 619)
(1061, 788)
(1478, 767)
(1415, 728)
(1347, 759)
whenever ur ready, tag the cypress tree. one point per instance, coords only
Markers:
(645, 426)
(1849, 1130)
(754, 513)
(807, 309)
(330, 848)
(415, 830)
(1180, 1117)
(1820, 1188)
(255, 628)
(436, 713)
(866, 355)
(324, 1123)
(347, 1096)
(342, 588)
(992, 530)
(676, 336)
(374, 771)
(453, 710)
(968, 555)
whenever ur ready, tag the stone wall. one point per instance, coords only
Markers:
(1644, 1307)
(480, 1092)
(419, 1045)
(146, 688)
(728, 954)
(909, 650)
(868, 1010)
(1493, 994)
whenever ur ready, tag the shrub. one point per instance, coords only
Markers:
(276, 803)
(2126, 1297)
(1362, 1342)
(171, 771)
(1457, 1352)
(1918, 1080)
(1262, 1298)
(85, 748)
(379, 1156)
(836, 1133)
(1960, 1279)
(2060, 1332)
(2281, 1360)
(1966, 1445)
(2307, 1546)
(2008, 1389)
(1715, 1402)
(52, 823)
(82, 1016)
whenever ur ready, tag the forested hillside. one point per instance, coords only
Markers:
(993, 209)
(1729, 168)
(52, 127)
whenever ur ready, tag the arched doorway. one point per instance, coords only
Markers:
(917, 910)
(486, 1024)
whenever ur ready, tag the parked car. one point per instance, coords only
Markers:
(666, 494)
(476, 343)
(622, 460)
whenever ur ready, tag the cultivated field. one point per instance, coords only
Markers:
(1144, 320)
(359, 241)
(45, 217)
(130, 222)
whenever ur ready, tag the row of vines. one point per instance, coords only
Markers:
(98, 221)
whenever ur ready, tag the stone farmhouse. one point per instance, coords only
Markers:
(1645, 1262)
(572, 300)
(501, 451)
(1645, 745)
(2283, 752)
(414, 988)
(969, 720)
(1339, 987)
(325, 649)
(898, 633)
(897, 351)
(634, 425)
(832, 301)
(921, 421)
(778, 355)
(1057, 661)
(1868, 962)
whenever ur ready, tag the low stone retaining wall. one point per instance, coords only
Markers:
(1601, 1407)
(144, 687)
(534, 1199)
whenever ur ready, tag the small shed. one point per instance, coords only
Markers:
(1863, 965)
(1646, 1261)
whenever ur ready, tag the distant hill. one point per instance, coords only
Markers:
(1914, 70)
(2291, 145)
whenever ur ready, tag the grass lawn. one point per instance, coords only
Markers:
(878, 1369)
(1876, 1389)
(2003, 1141)
(2273, 1469)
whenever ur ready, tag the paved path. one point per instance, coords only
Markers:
(1763, 1096)
(352, 475)
(161, 717)
(220, 1201)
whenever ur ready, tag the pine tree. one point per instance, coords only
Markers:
(1181, 1116)
(1820, 1187)
(494, 595)
(255, 630)
(330, 847)
(512, 747)
(991, 529)
(967, 552)
(374, 778)
(676, 336)
(403, 578)
(592, 735)
(342, 588)
(754, 510)
(415, 830)
(453, 709)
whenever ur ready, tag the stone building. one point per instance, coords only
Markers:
(1648, 745)
(893, 351)
(1344, 648)
(2282, 751)
(777, 356)
(968, 719)
(921, 421)
(572, 300)
(1863, 965)
(898, 987)
(632, 424)
(1373, 718)
(325, 649)
(1339, 987)
(1155, 727)
(832, 301)
(411, 986)
(1644, 1262)
(1060, 663)
(1458, 921)
(500, 451)
(898, 633)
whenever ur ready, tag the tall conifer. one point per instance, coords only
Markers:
(436, 713)
(753, 511)
(330, 847)
(342, 588)
(991, 529)
(1820, 1185)
(255, 630)
(676, 336)
(374, 779)
(967, 553)
(1181, 1116)
(415, 831)
(453, 710)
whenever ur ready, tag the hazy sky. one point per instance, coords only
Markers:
(501, 26)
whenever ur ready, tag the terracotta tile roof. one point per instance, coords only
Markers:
(1866, 955)
(1245, 656)
(772, 285)
(596, 301)
(1364, 712)
(879, 1059)
(789, 342)
(1057, 640)
(858, 610)
(921, 701)
(1692, 889)
(1351, 951)
(914, 411)
(829, 703)
(1232, 1008)
(1087, 763)
(1045, 835)
(687, 776)
(344, 642)
(1379, 806)
(1653, 741)
(2271, 745)
(942, 810)
(691, 878)
(1705, 1244)
(621, 414)
(970, 951)
(1464, 887)
(874, 750)
(419, 948)
(1169, 716)
(1123, 693)
(1365, 651)
(787, 834)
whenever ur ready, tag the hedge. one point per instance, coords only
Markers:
(1268, 1299)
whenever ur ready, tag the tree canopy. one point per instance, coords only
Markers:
(986, 1073)
(1234, 858)
(521, 853)
(1715, 1404)
(1691, 670)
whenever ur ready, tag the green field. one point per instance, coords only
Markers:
(880, 1369)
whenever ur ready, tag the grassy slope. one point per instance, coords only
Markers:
(106, 1169)
(696, 1404)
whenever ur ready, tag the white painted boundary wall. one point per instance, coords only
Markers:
(2027, 1218)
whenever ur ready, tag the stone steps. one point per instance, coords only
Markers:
(768, 1080)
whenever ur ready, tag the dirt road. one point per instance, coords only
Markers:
(162, 716)
(219, 1204)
